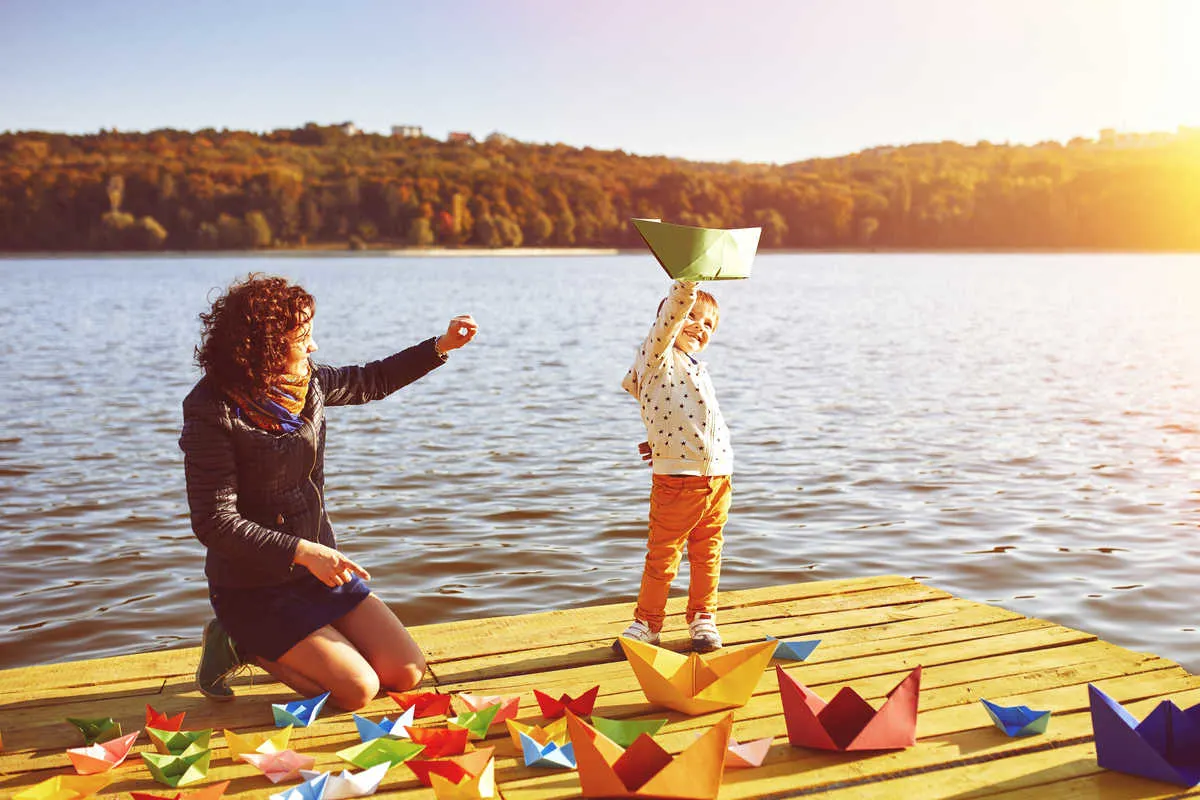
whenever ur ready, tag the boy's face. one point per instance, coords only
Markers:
(701, 324)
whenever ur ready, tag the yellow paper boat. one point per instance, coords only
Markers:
(697, 684)
(65, 787)
(700, 254)
(272, 742)
(469, 787)
(554, 731)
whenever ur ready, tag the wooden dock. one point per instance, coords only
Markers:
(872, 631)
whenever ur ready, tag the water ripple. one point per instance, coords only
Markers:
(1020, 430)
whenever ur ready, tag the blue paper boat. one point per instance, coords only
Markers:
(548, 755)
(794, 649)
(1165, 746)
(1017, 720)
(393, 729)
(300, 713)
(312, 789)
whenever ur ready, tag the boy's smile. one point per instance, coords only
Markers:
(702, 321)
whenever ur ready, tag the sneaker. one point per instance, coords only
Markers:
(639, 632)
(703, 630)
(218, 661)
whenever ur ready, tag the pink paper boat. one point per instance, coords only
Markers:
(746, 754)
(509, 704)
(280, 766)
(102, 756)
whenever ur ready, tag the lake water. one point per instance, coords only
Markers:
(1017, 429)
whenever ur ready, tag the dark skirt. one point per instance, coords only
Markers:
(267, 621)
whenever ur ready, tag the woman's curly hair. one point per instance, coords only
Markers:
(248, 331)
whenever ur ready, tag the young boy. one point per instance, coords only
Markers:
(692, 460)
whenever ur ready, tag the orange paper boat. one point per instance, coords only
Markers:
(429, 704)
(645, 769)
(453, 768)
(848, 722)
(102, 756)
(553, 708)
(160, 721)
(509, 704)
(697, 684)
(440, 742)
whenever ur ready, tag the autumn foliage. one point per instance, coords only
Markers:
(316, 185)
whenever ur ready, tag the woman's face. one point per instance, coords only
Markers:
(301, 345)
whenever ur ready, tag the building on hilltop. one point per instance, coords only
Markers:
(499, 138)
(348, 128)
(1112, 139)
(459, 136)
(407, 131)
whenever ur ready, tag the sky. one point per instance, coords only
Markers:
(715, 80)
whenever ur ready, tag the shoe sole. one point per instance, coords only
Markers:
(199, 685)
(701, 646)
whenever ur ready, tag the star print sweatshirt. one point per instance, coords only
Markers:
(686, 432)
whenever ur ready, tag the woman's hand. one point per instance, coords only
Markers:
(461, 330)
(328, 565)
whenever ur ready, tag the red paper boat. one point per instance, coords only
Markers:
(579, 706)
(160, 721)
(440, 742)
(429, 704)
(454, 768)
(848, 722)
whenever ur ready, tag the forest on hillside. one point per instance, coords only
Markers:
(321, 186)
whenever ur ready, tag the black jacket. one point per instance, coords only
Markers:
(253, 494)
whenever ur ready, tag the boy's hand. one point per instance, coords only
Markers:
(644, 451)
(461, 330)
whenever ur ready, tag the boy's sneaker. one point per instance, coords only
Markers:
(703, 630)
(218, 660)
(639, 632)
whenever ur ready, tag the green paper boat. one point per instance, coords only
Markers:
(476, 722)
(700, 254)
(175, 742)
(97, 730)
(625, 731)
(380, 751)
(179, 769)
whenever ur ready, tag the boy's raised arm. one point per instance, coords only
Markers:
(672, 316)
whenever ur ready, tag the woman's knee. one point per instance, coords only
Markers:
(402, 677)
(355, 691)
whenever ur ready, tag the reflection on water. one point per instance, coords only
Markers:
(1014, 429)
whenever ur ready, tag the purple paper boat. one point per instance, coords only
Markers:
(1165, 746)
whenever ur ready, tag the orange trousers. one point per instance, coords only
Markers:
(691, 510)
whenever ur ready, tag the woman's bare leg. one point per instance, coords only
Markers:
(289, 677)
(385, 643)
(327, 661)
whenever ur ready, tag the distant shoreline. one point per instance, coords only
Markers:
(541, 252)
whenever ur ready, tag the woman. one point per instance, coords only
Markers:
(254, 442)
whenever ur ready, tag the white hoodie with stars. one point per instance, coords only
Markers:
(684, 427)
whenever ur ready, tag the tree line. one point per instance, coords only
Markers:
(318, 186)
